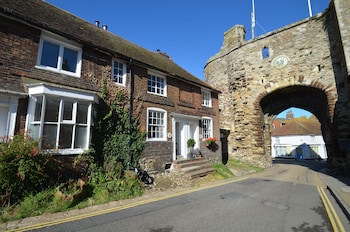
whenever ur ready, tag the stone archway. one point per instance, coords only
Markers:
(302, 65)
(308, 98)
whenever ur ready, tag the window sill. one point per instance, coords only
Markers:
(207, 106)
(67, 151)
(56, 71)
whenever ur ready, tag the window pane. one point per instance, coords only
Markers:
(49, 136)
(68, 110)
(34, 131)
(81, 133)
(82, 112)
(70, 58)
(49, 55)
(66, 132)
(51, 110)
(38, 106)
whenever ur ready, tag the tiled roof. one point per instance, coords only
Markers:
(43, 15)
(299, 126)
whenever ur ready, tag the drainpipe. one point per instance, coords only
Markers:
(131, 107)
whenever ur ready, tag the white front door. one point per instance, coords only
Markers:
(184, 128)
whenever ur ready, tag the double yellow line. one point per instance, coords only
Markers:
(333, 216)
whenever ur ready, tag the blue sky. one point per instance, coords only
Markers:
(296, 111)
(190, 31)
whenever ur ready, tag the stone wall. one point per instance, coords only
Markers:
(293, 66)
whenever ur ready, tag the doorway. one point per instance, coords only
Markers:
(184, 127)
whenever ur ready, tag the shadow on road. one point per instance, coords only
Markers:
(315, 165)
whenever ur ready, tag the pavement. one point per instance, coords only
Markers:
(339, 186)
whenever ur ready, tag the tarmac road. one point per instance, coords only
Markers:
(288, 197)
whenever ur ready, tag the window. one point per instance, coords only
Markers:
(207, 128)
(156, 124)
(8, 112)
(156, 84)
(58, 56)
(60, 122)
(206, 98)
(281, 151)
(314, 152)
(119, 72)
(265, 53)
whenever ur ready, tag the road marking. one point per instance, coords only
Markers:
(122, 207)
(333, 216)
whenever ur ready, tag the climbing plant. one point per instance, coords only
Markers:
(117, 139)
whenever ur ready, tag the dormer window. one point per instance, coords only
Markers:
(206, 98)
(119, 72)
(59, 56)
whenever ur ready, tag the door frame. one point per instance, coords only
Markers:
(189, 129)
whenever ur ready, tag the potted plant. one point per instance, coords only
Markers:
(210, 142)
(191, 143)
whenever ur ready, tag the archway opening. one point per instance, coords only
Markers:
(301, 137)
(296, 134)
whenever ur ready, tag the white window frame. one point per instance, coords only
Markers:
(207, 132)
(158, 77)
(62, 43)
(119, 79)
(8, 122)
(164, 126)
(206, 98)
(49, 92)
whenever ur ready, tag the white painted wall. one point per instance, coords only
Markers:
(298, 146)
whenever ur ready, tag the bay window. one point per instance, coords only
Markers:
(60, 122)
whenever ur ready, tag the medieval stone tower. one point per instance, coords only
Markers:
(304, 65)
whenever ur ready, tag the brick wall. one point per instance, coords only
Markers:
(17, 66)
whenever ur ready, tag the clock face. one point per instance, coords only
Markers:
(280, 61)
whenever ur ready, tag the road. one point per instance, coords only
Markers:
(287, 197)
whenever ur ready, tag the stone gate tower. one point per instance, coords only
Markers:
(305, 65)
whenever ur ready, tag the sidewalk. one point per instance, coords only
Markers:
(339, 186)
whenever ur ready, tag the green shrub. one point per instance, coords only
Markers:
(35, 204)
(23, 167)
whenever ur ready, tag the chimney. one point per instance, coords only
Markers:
(164, 54)
(105, 27)
(97, 23)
